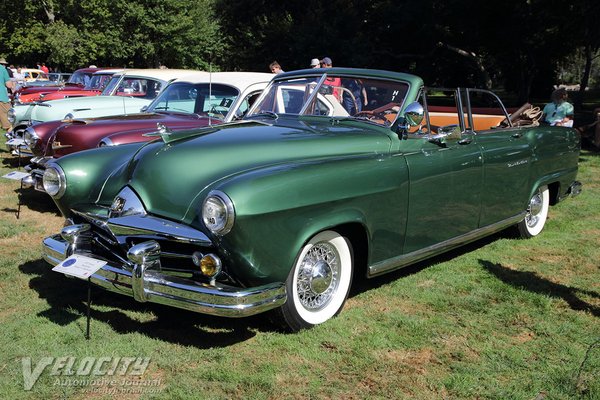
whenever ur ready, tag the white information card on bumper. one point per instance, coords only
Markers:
(16, 175)
(80, 266)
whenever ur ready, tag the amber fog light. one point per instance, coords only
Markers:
(210, 265)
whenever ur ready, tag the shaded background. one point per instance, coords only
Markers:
(521, 48)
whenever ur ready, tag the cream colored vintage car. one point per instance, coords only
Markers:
(33, 74)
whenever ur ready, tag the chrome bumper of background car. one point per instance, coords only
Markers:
(147, 285)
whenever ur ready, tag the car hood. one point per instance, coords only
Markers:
(83, 134)
(82, 107)
(173, 178)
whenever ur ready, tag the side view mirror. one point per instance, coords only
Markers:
(144, 109)
(239, 114)
(413, 116)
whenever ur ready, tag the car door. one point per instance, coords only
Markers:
(506, 157)
(445, 173)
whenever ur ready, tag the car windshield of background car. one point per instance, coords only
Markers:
(375, 100)
(98, 82)
(78, 78)
(196, 98)
(112, 85)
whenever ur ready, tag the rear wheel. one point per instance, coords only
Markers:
(318, 285)
(537, 213)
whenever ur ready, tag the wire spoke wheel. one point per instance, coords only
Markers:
(319, 283)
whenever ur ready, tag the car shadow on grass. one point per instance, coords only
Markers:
(11, 161)
(534, 283)
(36, 200)
(67, 299)
(32, 200)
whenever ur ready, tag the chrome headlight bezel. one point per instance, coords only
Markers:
(30, 137)
(54, 181)
(218, 213)
(12, 116)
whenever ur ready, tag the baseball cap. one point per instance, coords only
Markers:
(327, 61)
(3, 61)
(314, 61)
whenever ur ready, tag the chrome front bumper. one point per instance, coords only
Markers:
(147, 285)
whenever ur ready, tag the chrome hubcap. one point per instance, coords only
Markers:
(321, 277)
(318, 276)
(534, 209)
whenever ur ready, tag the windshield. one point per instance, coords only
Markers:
(79, 78)
(213, 100)
(98, 81)
(132, 86)
(371, 99)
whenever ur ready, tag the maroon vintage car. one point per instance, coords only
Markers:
(94, 87)
(77, 81)
(196, 101)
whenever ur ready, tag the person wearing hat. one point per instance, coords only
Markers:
(5, 84)
(331, 81)
(326, 62)
(315, 63)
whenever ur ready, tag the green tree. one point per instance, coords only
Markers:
(178, 33)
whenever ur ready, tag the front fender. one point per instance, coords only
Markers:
(278, 209)
(87, 173)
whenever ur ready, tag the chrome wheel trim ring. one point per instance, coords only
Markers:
(534, 209)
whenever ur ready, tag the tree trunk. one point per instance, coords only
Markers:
(49, 10)
(585, 78)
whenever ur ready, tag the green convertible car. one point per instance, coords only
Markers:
(332, 174)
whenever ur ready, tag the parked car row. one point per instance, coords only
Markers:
(232, 194)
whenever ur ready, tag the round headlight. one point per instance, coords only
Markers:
(12, 116)
(54, 181)
(218, 213)
(31, 138)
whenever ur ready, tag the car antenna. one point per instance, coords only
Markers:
(209, 92)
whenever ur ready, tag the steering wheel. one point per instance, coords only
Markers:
(378, 117)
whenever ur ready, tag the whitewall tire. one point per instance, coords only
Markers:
(319, 282)
(537, 213)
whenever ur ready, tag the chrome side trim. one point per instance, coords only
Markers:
(152, 286)
(411, 258)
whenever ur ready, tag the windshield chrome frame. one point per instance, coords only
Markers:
(313, 95)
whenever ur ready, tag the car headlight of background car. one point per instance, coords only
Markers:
(54, 181)
(12, 116)
(31, 138)
(218, 213)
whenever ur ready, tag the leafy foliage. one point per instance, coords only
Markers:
(524, 46)
(69, 35)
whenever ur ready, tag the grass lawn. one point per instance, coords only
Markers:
(499, 319)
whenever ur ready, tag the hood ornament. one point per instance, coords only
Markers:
(162, 131)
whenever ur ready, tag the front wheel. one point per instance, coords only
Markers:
(318, 285)
(537, 212)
